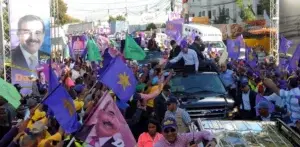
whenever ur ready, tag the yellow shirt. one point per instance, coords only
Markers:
(151, 90)
(78, 104)
(56, 137)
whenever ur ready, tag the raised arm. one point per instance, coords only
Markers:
(176, 59)
(196, 61)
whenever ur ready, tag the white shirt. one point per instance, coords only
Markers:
(27, 55)
(246, 101)
(75, 74)
(276, 98)
(185, 8)
(190, 58)
(292, 102)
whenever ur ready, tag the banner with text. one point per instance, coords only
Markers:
(30, 40)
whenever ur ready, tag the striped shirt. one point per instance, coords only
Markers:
(185, 116)
(291, 100)
(184, 139)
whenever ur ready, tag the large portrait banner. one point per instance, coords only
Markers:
(30, 40)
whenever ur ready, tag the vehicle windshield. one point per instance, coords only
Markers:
(151, 56)
(216, 44)
(204, 82)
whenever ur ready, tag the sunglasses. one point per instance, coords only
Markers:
(172, 130)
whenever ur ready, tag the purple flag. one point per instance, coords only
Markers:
(259, 99)
(283, 63)
(294, 62)
(178, 37)
(284, 44)
(251, 58)
(193, 35)
(233, 48)
(120, 79)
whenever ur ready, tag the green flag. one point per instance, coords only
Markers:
(93, 51)
(133, 50)
(10, 93)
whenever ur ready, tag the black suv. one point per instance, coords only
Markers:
(202, 95)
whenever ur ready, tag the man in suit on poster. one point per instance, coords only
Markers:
(31, 33)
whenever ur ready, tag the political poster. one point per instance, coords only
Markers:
(106, 126)
(30, 39)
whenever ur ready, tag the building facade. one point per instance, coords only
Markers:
(210, 9)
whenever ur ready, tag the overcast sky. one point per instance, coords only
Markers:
(98, 10)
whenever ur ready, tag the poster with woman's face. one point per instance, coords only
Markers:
(78, 44)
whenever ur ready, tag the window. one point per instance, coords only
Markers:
(203, 13)
(260, 9)
(214, 12)
(199, 14)
(209, 14)
(227, 11)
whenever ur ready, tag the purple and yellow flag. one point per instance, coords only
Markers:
(120, 79)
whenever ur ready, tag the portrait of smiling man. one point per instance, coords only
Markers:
(31, 33)
(106, 129)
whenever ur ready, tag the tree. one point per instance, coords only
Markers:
(266, 5)
(6, 23)
(117, 18)
(223, 16)
(163, 25)
(61, 14)
(247, 13)
(151, 26)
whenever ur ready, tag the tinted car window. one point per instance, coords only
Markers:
(151, 56)
(197, 83)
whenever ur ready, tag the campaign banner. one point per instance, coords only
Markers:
(78, 44)
(174, 28)
(106, 126)
(30, 39)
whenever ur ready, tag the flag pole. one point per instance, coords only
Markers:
(72, 140)
(47, 96)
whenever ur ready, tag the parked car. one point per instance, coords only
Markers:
(250, 133)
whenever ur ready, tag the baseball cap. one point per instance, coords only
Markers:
(262, 105)
(183, 44)
(169, 123)
(79, 88)
(244, 82)
(172, 100)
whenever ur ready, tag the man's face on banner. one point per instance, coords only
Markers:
(108, 123)
(31, 35)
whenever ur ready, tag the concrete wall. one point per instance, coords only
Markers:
(290, 21)
(203, 7)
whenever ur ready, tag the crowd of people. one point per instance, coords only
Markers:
(153, 113)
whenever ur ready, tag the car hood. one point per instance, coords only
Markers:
(206, 101)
